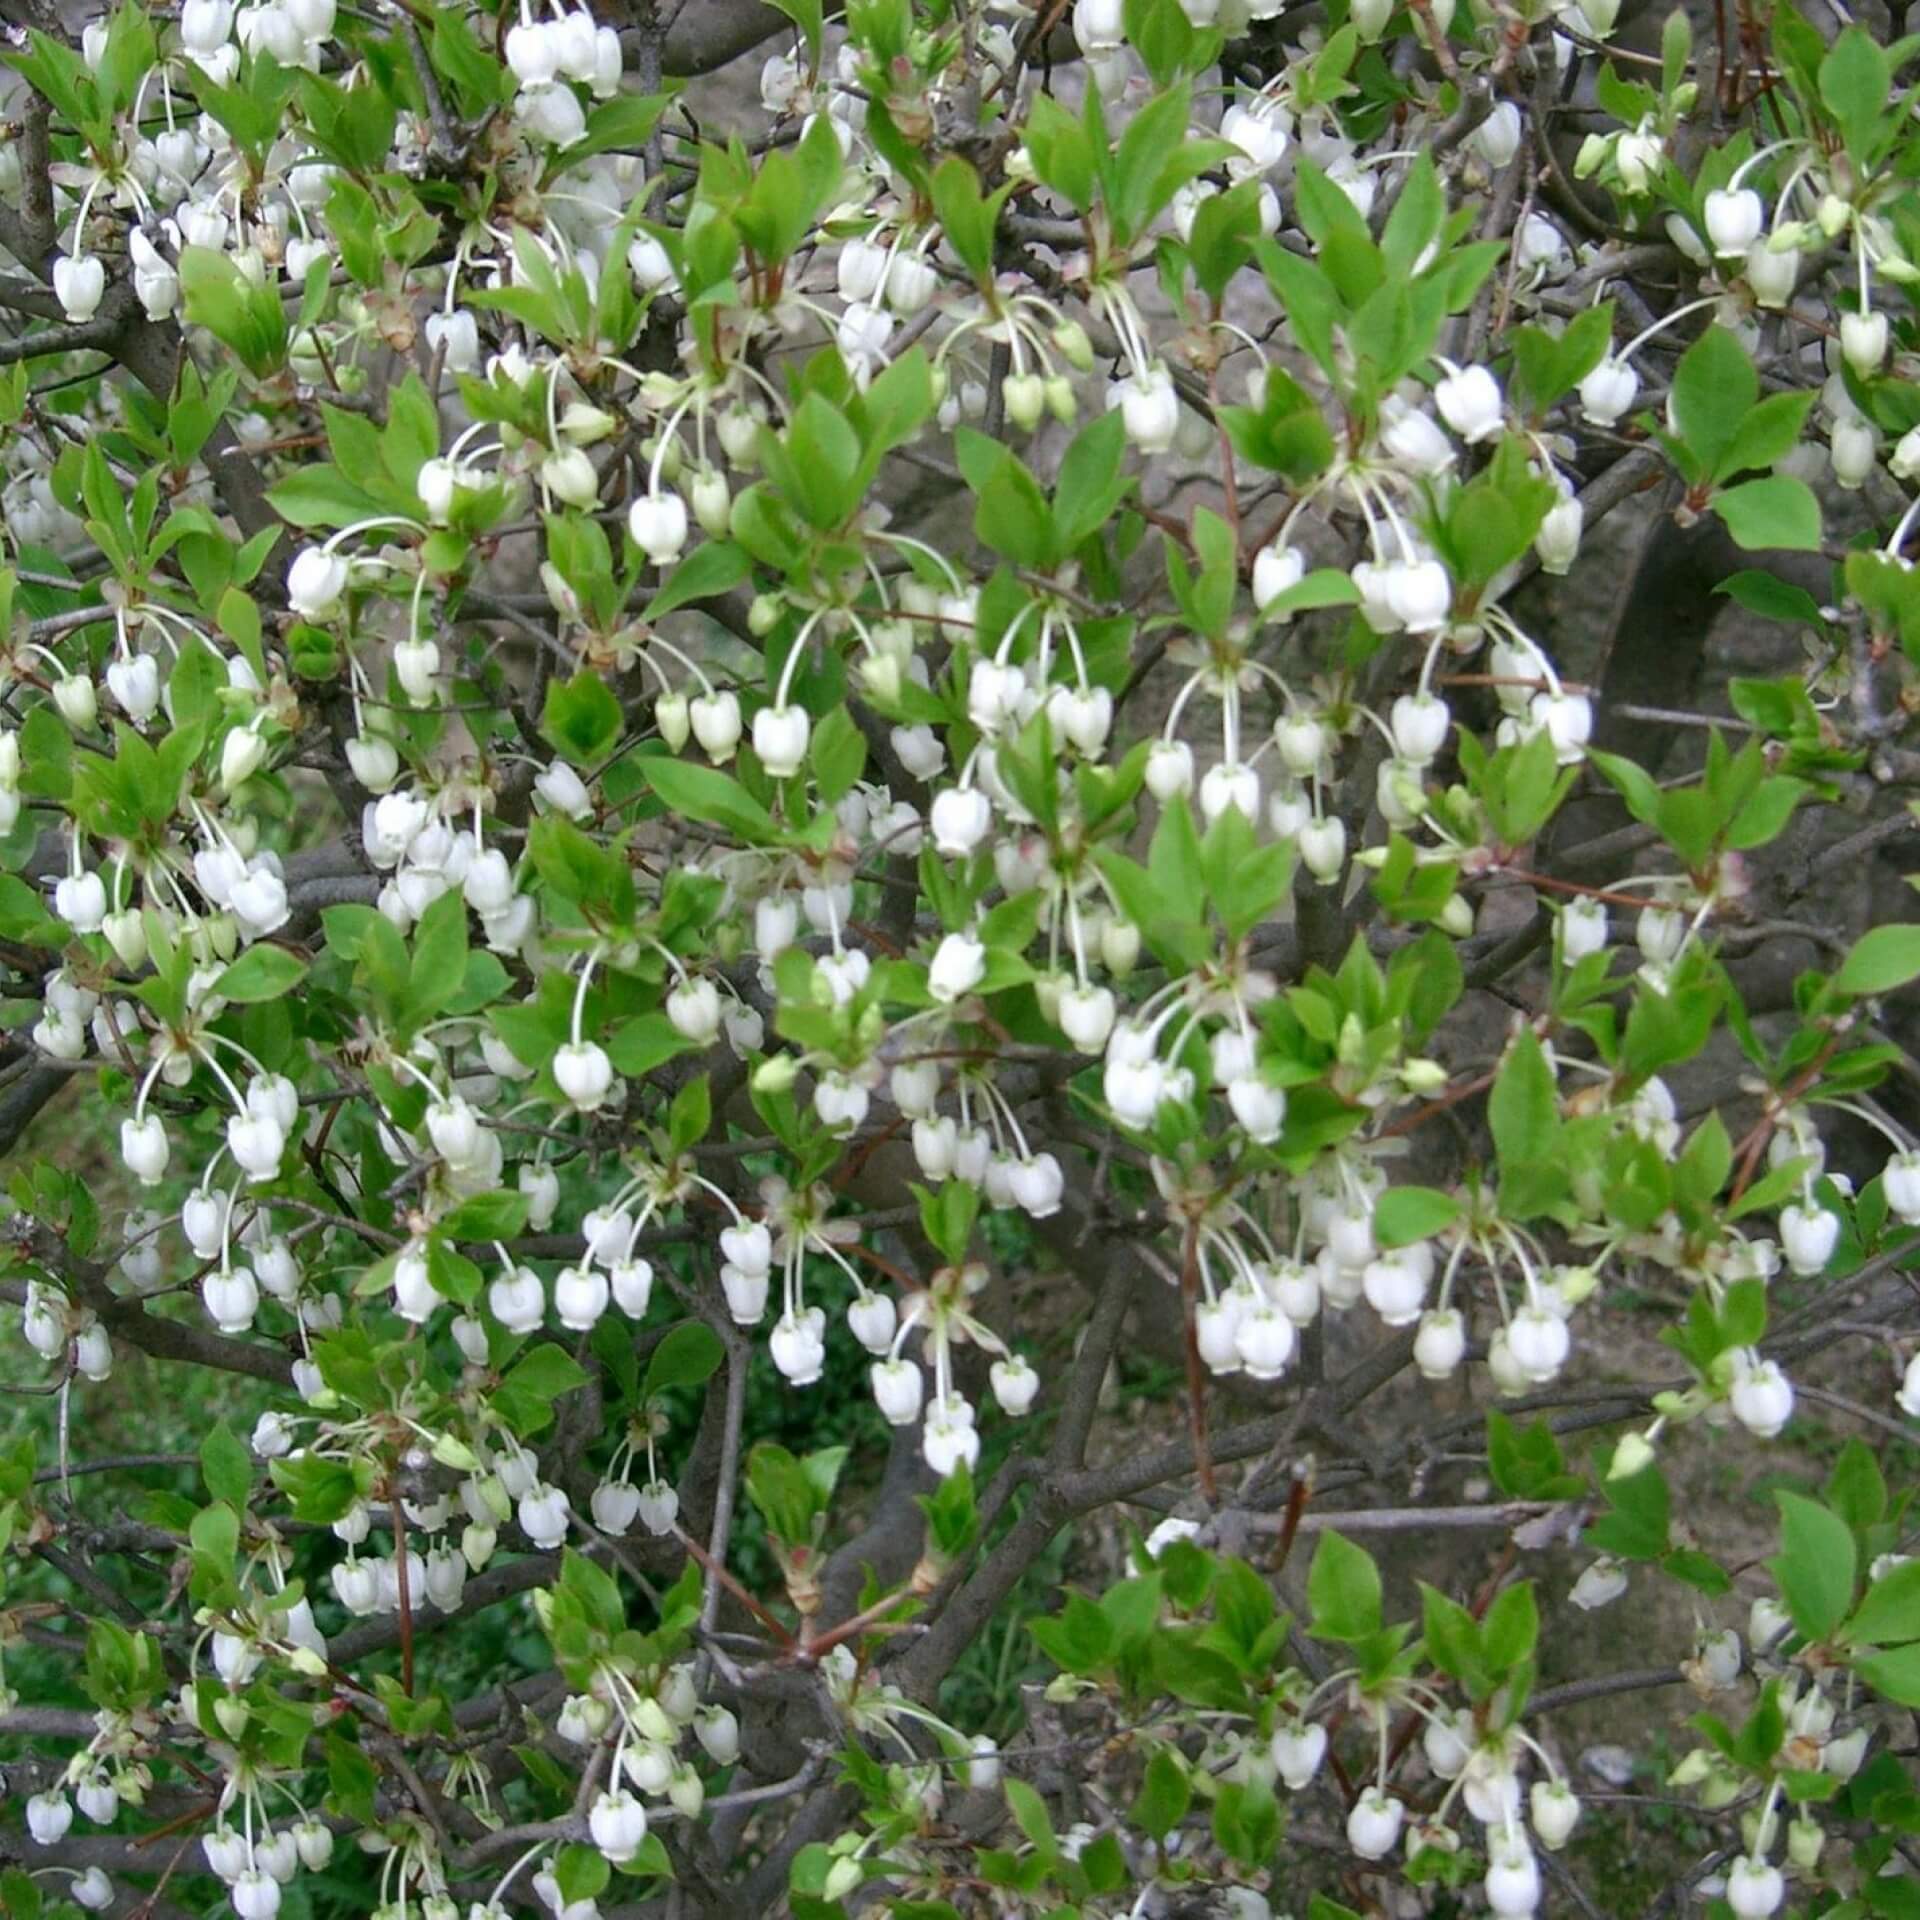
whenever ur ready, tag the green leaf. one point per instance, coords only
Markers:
(837, 751)
(1452, 1637)
(711, 569)
(321, 496)
(1549, 365)
(646, 1041)
(1638, 1520)
(707, 794)
(1778, 511)
(967, 217)
(1524, 1108)
(1174, 865)
(1856, 1490)
(1323, 587)
(1815, 1566)
(1062, 155)
(1676, 45)
(1764, 814)
(20, 1897)
(1880, 960)
(688, 1357)
(1287, 432)
(1012, 517)
(582, 719)
(1092, 479)
(481, 984)
(581, 1873)
(1030, 1816)
(1343, 1589)
(439, 965)
(1405, 1214)
(453, 1276)
(623, 124)
(1165, 1794)
(1714, 389)
(263, 972)
(1855, 80)
(537, 1379)
(815, 463)
(215, 294)
(214, 1536)
(497, 1215)
(1512, 1627)
(1897, 1674)
(792, 1494)
(947, 1216)
(1768, 434)
(1774, 599)
(575, 868)
(1078, 1639)
(226, 1466)
(1890, 1614)
(807, 16)
(1526, 1462)
(24, 917)
(690, 1114)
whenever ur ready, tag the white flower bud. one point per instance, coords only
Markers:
(1863, 344)
(1755, 1889)
(79, 284)
(658, 524)
(1762, 1399)
(583, 1074)
(1296, 1750)
(1734, 217)
(1608, 392)
(1149, 408)
(1583, 928)
(316, 583)
(1808, 1236)
(1014, 1384)
(1853, 445)
(716, 723)
(1496, 140)
(1470, 403)
(1558, 541)
(1373, 1827)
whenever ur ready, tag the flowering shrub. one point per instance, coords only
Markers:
(903, 738)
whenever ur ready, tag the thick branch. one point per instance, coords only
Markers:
(98, 333)
(706, 34)
(22, 1101)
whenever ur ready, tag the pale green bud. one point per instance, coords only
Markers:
(880, 675)
(1576, 1283)
(776, 1073)
(1075, 347)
